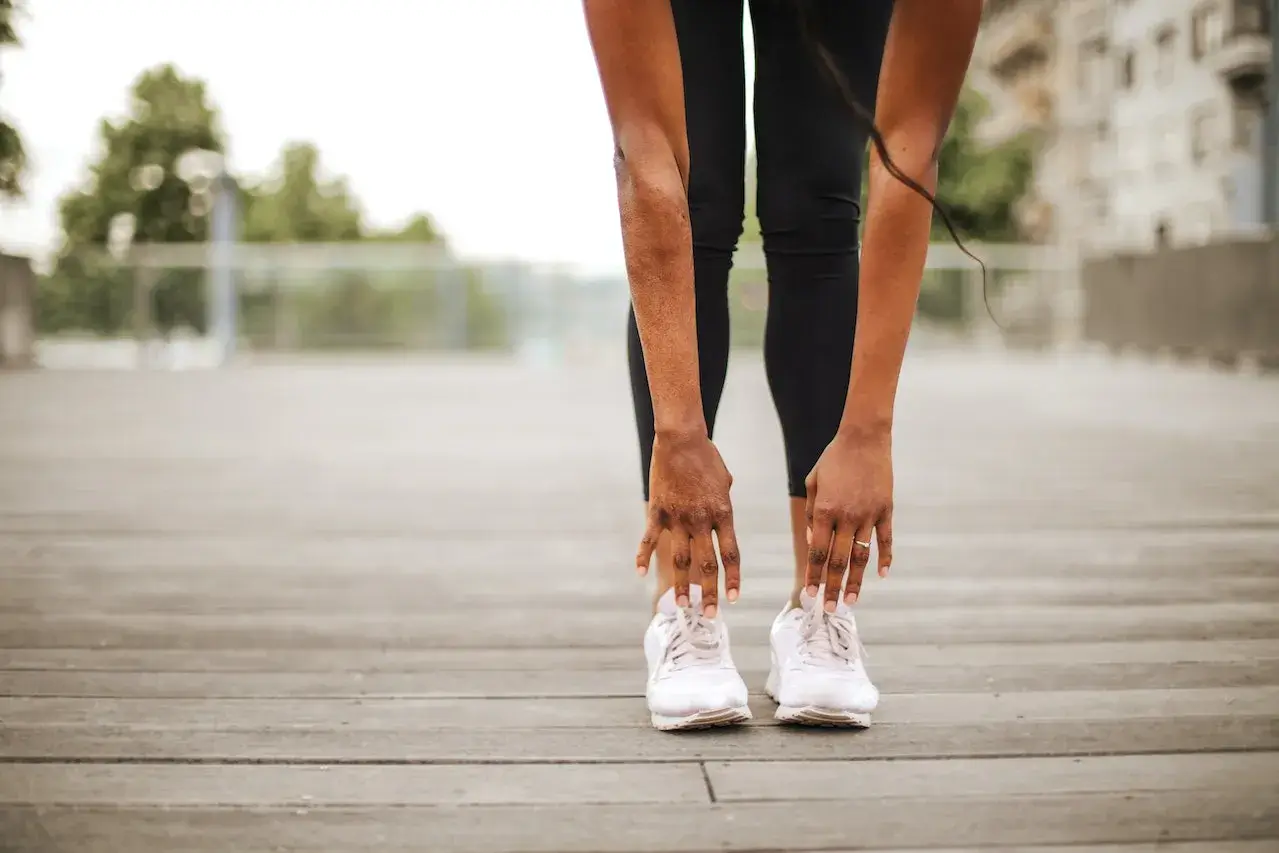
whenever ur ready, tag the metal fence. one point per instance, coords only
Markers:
(1219, 300)
(387, 296)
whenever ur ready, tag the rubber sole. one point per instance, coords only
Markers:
(829, 718)
(814, 715)
(702, 720)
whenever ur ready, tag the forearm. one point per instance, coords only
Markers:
(657, 241)
(925, 58)
(637, 53)
(895, 247)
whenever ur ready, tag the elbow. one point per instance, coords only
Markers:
(652, 186)
(647, 158)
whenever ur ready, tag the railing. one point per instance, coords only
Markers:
(415, 297)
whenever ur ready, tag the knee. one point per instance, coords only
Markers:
(716, 213)
(798, 216)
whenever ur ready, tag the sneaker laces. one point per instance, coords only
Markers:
(831, 638)
(696, 640)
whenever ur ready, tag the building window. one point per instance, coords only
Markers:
(1205, 31)
(1128, 70)
(1203, 136)
(1165, 56)
(1249, 117)
(1252, 17)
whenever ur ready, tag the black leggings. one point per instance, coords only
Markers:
(810, 151)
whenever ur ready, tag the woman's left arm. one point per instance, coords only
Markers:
(930, 44)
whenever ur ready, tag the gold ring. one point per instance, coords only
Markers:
(863, 544)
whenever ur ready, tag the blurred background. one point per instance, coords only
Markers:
(379, 567)
(185, 189)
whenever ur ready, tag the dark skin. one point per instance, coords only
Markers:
(850, 489)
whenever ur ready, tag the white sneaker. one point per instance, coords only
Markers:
(692, 682)
(817, 676)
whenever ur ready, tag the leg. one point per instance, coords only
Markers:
(710, 35)
(811, 153)
(811, 149)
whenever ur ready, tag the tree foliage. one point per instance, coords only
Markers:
(13, 157)
(143, 173)
(137, 177)
(296, 204)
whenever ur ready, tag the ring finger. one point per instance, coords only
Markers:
(857, 567)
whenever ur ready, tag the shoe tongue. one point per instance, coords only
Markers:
(809, 603)
(666, 604)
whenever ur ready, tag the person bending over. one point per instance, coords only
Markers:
(829, 75)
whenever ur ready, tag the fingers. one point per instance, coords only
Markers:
(818, 551)
(707, 567)
(681, 559)
(857, 567)
(647, 545)
(730, 556)
(840, 552)
(884, 535)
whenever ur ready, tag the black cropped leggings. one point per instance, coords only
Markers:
(810, 150)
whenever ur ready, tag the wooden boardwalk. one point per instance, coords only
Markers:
(373, 606)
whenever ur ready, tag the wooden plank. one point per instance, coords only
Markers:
(173, 785)
(339, 743)
(595, 712)
(753, 781)
(69, 592)
(628, 682)
(1102, 555)
(595, 658)
(811, 826)
(502, 626)
(1264, 845)
(314, 786)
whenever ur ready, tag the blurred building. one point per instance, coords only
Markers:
(1016, 65)
(1151, 115)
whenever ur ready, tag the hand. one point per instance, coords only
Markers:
(688, 497)
(850, 494)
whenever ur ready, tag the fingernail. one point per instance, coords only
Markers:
(710, 610)
(850, 599)
(808, 534)
(811, 589)
(641, 570)
(682, 601)
(732, 595)
(830, 607)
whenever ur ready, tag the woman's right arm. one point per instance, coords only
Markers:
(639, 67)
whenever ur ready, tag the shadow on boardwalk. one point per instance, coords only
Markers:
(383, 605)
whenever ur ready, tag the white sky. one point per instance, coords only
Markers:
(485, 113)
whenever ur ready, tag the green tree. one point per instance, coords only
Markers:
(13, 157)
(137, 177)
(980, 184)
(296, 205)
(420, 228)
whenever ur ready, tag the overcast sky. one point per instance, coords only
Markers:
(486, 113)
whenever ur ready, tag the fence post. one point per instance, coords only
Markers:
(17, 312)
(144, 279)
